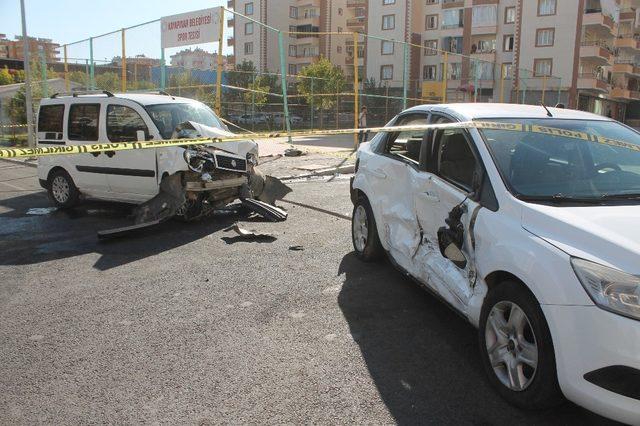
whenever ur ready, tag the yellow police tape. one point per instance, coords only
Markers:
(11, 126)
(488, 125)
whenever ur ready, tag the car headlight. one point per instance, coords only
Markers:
(193, 160)
(611, 289)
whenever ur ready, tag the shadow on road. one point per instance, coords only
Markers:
(30, 239)
(424, 358)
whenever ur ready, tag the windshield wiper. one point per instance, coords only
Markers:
(620, 196)
(559, 198)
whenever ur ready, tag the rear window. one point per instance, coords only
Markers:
(50, 118)
(83, 122)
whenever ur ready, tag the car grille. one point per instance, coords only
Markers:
(235, 164)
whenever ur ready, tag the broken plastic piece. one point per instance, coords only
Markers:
(296, 248)
(292, 152)
(246, 235)
(125, 230)
(265, 210)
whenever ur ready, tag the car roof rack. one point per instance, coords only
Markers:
(76, 93)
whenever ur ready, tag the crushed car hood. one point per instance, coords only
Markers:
(604, 234)
(241, 148)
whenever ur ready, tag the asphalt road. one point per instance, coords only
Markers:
(178, 325)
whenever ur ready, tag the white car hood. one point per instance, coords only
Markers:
(606, 234)
(241, 148)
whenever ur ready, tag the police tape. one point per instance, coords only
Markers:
(12, 126)
(62, 149)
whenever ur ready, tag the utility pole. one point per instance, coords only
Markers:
(27, 78)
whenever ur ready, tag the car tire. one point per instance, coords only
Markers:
(62, 190)
(190, 210)
(364, 233)
(517, 349)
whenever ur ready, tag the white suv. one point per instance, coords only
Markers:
(211, 174)
(532, 235)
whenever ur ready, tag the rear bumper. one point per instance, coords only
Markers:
(598, 359)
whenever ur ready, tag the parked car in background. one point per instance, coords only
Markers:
(257, 118)
(278, 118)
(529, 231)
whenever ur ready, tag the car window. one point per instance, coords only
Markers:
(406, 145)
(50, 118)
(83, 122)
(456, 162)
(123, 124)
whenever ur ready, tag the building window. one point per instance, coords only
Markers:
(431, 22)
(388, 22)
(293, 50)
(386, 48)
(546, 7)
(430, 72)
(484, 16)
(432, 1)
(430, 47)
(542, 67)
(340, 11)
(484, 46)
(293, 12)
(385, 2)
(545, 37)
(454, 71)
(508, 43)
(452, 18)
(248, 28)
(386, 72)
(292, 69)
(507, 68)
(452, 44)
(339, 49)
(248, 9)
(248, 48)
(510, 15)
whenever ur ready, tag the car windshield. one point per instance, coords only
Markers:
(167, 116)
(595, 161)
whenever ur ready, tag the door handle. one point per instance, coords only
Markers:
(430, 196)
(379, 174)
(110, 153)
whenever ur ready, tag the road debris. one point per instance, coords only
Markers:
(296, 248)
(293, 152)
(247, 235)
(269, 212)
(41, 210)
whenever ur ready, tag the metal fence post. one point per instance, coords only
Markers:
(43, 72)
(475, 80)
(544, 86)
(162, 70)
(253, 102)
(124, 63)
(445, 66)
(219, 68)
(405, 75)
(312, 103)
(355, 87)
(501, 84)
(283, 80)
(92, 81)
(66, 69)
(559, 89)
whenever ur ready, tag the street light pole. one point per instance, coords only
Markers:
(27, 78)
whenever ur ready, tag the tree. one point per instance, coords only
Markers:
(5, 77)
(108, 81)
(325, 78)
(17, 104)
(256, 96)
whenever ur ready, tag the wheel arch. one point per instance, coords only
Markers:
(56, 169)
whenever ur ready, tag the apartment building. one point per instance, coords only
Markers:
(13, 49)
(584, 53)
(303, 20)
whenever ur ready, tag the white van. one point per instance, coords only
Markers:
(214, 173)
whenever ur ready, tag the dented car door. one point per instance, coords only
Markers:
(442, 189)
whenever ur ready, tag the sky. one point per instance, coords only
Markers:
(66, 21)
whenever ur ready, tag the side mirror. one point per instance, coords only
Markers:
(140, 136)
(454, 254)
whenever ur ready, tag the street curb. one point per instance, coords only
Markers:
(23, 163)
(350, 168)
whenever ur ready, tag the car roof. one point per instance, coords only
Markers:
(141, 98)
(475, 111)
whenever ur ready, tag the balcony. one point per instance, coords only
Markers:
(230, 22)
(599, 21)
(627, 94)
(357, 3)
(590, 81)
(446, 4)
(355, 23)
(626, 67)
(627, 15)
(595, 52)
(627, 41)
(231, 42)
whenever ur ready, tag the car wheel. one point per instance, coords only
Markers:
(190, 210)
(62, 190)
(364, 232)
(516, 348)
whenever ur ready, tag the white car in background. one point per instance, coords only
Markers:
(531, 235)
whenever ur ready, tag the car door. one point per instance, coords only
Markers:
(391, 175)
(131, 174)
(83, 127)
(448, 179)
